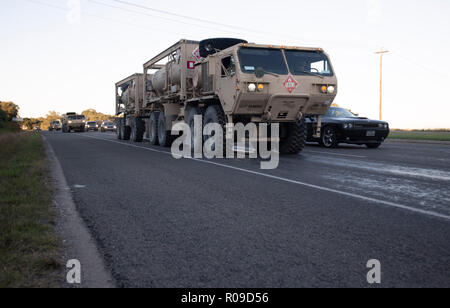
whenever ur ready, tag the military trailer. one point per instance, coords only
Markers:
(227, 81)
(72, 121)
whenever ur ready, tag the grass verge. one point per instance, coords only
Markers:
(421, 135)
(29, 246)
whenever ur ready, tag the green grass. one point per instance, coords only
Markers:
(421, 135)
(29, 247)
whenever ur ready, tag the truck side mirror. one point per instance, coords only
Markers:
(259, 72)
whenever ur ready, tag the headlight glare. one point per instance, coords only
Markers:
(251, 87)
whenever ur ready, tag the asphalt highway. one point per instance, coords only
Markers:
(315, 221)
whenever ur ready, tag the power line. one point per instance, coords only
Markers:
(182, 16)
(149, 15)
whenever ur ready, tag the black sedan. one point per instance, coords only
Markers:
(341, 126)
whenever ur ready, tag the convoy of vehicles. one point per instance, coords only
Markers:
(73, 122)
(341, 126)
(233, 81)
(227, 81)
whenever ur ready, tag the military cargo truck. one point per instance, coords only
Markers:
(72, 121)
(227, 81)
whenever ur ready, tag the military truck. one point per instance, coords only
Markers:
(227, 81)
(72, 121)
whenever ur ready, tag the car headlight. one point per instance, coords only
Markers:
(70, 122)
(381, 125)
(252, 87)
(348, 126)
(331, 89)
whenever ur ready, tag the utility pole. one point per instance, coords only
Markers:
(381, 53)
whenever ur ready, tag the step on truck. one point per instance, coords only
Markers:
(226, 81)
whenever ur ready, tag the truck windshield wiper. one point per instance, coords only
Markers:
(311, 74)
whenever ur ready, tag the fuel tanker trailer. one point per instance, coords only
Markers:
(227, 80)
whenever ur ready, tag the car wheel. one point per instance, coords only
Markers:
(329, 137)
(373, 145)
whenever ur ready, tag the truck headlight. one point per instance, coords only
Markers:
(331, 89)
(252, 87)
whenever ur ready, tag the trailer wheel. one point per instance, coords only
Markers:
(164, 136)
(126, 132)
(153, 128)
(137, 130)
(119, 130)
(293, 137)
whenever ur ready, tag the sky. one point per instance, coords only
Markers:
(66, 55)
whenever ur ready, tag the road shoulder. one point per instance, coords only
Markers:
(77, 240)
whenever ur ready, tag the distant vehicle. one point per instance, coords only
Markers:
(55, 125)
(341, 126)
(72, 121)
(108, 127)
(91, 126)
(37, 129)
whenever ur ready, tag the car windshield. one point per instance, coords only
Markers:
(108, 123)
(91, 123)
(339, 113)
(308, 62)
(270, 60)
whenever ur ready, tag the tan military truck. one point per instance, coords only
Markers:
(227, 81)
(72, 121)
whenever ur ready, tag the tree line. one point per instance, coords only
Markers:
(9, 111)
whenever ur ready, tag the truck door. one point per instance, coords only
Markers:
(227, 83)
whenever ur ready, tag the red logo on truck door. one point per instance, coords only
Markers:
(290, 84)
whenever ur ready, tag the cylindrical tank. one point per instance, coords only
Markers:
(160, 77)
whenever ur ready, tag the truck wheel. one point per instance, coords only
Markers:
(119, 130)
(189, 119)
(137, 131)
(126, 132)
(293, 138)
(215, 114)
(329, 138)
(164, 136)
(153, 125)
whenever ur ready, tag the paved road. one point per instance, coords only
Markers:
(313, 222)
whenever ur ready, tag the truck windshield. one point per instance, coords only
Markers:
(77, 118)
(270, 60)
(308, 63)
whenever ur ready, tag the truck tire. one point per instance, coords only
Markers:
(126, 132)
(215, 114)
(137, 130)
(119, 130)
(294, 139)
(165, 137)
(189, 119)
(153, 128)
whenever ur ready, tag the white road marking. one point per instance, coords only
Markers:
(337, 154)
(322, 188)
